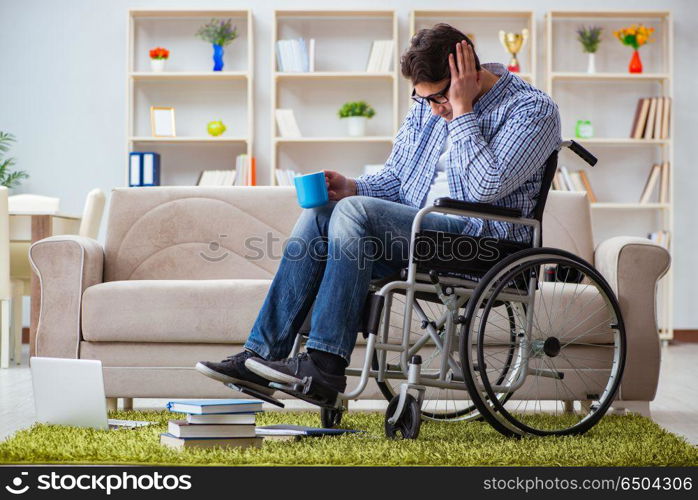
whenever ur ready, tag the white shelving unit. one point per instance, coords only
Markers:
(198, 94)
(608, 97)
(313, 95)
(485, 26)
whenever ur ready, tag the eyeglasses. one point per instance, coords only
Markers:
(438, 98)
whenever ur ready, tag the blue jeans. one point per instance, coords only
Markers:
(332, 255)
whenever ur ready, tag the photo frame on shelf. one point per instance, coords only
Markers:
(162, 121)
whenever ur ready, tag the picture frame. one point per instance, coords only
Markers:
(162, 121)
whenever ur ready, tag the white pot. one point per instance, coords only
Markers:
(591, 64)
(157, 65)
(356, 125)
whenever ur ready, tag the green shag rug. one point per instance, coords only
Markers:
(615, 441)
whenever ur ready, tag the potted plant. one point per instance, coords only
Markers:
(9, 178)
(219, 34)
(158, 57)
(590, 38)
(356, 113)
(635, 36)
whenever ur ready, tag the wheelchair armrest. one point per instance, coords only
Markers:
(484, 208)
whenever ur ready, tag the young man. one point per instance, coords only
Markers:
(475, 133)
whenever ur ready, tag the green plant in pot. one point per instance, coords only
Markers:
(356, 113)
(590, 38)
(218, 33)
(9, 178)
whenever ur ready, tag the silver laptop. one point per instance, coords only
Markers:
(71, 392)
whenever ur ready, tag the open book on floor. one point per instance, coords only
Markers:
(300, 430)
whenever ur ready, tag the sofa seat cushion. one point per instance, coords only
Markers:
(200, 311)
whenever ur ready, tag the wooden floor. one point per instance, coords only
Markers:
(675, 407)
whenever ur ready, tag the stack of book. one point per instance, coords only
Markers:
(661, 237)
(651, 119)
(213, 422)
(246, 168)
(657, 173)
(285, 176)
(216, 178)
(565, 180)
(244, 174)
(287, 124)
(381, 56)
(295, 56)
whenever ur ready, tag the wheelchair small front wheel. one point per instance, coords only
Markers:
(330, 417)
(408, 424)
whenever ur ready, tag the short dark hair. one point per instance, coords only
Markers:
(426, 60)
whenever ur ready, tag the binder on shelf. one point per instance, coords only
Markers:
(134, 169)
(151, 169)
(144, 169)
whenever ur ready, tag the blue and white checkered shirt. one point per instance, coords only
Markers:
(498, 154)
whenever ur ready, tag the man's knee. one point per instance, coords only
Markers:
(314, 221)
(354, 209)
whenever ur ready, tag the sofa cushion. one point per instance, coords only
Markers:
(189, 232)
(567, 224)
(201, 311)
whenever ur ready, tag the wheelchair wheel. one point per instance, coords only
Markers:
(408, 424)
(438, 404)
(330, 417)
(570, 345)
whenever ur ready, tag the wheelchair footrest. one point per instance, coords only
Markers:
(256, 394)
(310, 392)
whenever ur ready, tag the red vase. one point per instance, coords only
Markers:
(635, 65)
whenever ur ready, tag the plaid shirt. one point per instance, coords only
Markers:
(498, 154)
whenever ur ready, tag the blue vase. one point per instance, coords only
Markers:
(217, 57)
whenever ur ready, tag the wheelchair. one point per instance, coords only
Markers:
(527, 338)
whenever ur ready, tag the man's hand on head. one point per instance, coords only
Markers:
(338, 186)
(465, 80)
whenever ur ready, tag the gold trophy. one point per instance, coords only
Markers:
(513, 42)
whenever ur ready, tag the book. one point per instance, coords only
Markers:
(657, 132)
(183, 429)
(650, 184)
(294, 55)
(665, 118)
(641, 119)
(380, 57)
(178, 443)
(311, 55)
(565, 173)
(222, 418)
(216, 178)
(300, 430)
(587, 186)
(206, 406)
(649, 128)
(286, 123)
(577, 181)
(284, 177)
(664, 183)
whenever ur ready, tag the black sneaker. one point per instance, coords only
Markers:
(294, 370)
(232, 370)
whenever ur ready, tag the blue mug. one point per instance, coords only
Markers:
(311, 190)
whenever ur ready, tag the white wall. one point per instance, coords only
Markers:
(62, 93)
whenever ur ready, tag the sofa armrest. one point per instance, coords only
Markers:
(633, 266)
(65, 266)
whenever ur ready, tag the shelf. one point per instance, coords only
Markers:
(610, 14)
(367, 138)
(474, 13)
(631, 206)
(279, 75)
(189, 75)
(619, 141)
(333, 13)
(188, 139)
(186, 13)
(621, 77)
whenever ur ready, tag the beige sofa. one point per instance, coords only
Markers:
(184, 271)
